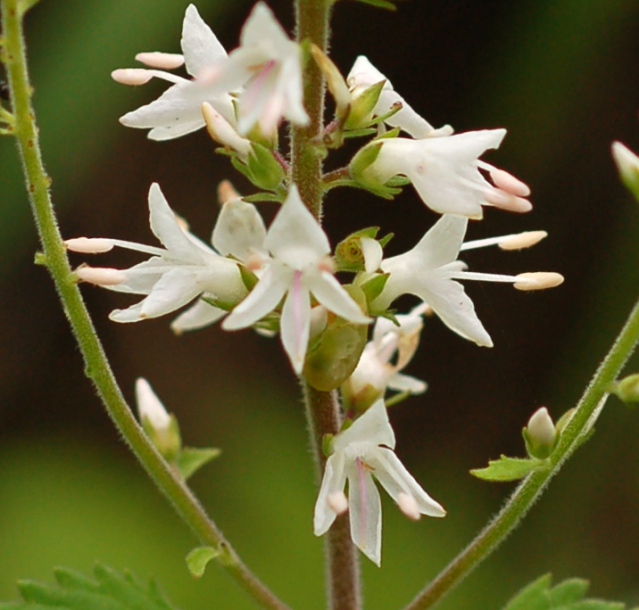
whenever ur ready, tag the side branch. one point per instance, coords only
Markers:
(97, 367)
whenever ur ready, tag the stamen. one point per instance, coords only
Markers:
(89, 245)
(514, 241)
(507, 201)
(539, 280)
(100, 276)
(163, 61)
(131, 76)
(337, 502)
(226, 192)
(507, 182)
(408, 505)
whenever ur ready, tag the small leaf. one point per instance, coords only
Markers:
(111, 590)
(191, 459)
(571, 590)
(198, 559)
(508, 469)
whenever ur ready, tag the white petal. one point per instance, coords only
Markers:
(295, 237)
(395, 479)
(166, 228)
(365, 513)
(263, 299)
(150, 406)
(239, 230)
(174, 289)
(295, 324)
(406, 383)
(200, 46)
(333, 481)
(199, 315)
(371, 428)
(373, 254)
(262, 26)
(329, 292)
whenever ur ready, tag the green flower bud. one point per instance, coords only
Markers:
(628, 166)
(627, 389)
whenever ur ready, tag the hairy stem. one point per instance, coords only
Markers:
(586, 412)
(96, 364)
(322, 408)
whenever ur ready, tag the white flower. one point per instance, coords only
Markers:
(376, 371)
(177, 111)
(150, 407)
(267, 66)
(299, 266)
(361, 452)
(445, 172)
(430, 270)
(174, 275)
(364, 75)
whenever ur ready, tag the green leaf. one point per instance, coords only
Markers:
(198, 559)
(508, 469)
(191, 459)
(385, 4)
(567, 595)
(110, 590)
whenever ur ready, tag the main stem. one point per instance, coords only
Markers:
(532, 487)
(97, 367)
(322, 408)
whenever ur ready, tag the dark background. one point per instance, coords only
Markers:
(562, 77)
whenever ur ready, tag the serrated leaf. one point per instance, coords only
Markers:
(508, 469)
(191, 459)
(567, 595)
(198, 559)
(111, 590)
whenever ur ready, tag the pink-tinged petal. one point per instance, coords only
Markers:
(333, 481)
(200, 45)
(329, 292)
(199, 315)
(365, 512)
(372, 428)
(395, 479)
(239, 230)
(295, 237)
(296, 322)
(263, 299)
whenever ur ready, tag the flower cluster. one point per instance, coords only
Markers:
(285, 278)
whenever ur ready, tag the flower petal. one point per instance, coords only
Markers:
(295, 323)
(200, 45)
(199, 315)
(239, 230)
(372, 428)
(330, 293)
(333, 481)
(365, 512)
(395, 479)
(264, 297)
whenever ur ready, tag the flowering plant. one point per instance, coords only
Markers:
(340, 312)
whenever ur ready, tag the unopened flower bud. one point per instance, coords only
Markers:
(628, 166)
(627, 389)
(334, 80)
(223, 132)
(161, 427)
(540, 434)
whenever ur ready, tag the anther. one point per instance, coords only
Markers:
(89, 245)
(163, 61)
(539, 280)
(131, 76)
(522, 240)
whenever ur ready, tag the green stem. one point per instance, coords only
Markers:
(581, 422)
(322, 408)
(97, 367)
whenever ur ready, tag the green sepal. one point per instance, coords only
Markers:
(568, 595)
(191, 459)
(509, 469)
(110, 590)
(198, 559)
(360, 133)
(361, 113)
(374, 287)
(333, 355)
(167, 441)
(327, 441)
(225, 305)
(265, 197)
(265, 172)
(363, 159)
(248, 277)
(627, 389)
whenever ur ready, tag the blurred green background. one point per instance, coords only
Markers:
(563, 77)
